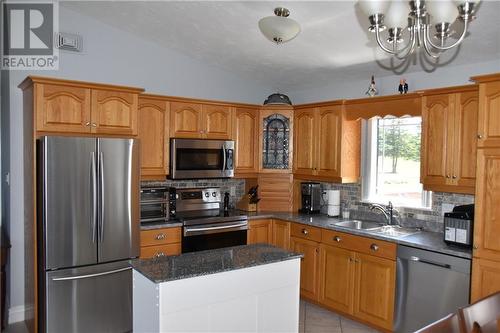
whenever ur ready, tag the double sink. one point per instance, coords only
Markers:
(378, 228)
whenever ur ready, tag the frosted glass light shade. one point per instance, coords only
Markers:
(397, 15)
(441, 11)
(371, 7)
(279, 29)
(460, 2)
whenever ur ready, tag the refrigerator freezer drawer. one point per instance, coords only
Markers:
(89, 299)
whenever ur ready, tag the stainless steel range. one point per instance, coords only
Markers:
(205, 225)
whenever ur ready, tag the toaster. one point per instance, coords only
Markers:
(458, 226)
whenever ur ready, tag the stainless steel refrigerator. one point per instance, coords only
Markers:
(88, 230)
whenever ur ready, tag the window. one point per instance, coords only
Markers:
(391, 162)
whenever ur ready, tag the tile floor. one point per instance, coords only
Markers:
(314, 319)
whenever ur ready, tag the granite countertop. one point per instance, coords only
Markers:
(432, 241)
(194, 264)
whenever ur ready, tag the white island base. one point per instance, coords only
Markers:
(261, 298)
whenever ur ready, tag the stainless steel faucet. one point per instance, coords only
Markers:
(388, 211)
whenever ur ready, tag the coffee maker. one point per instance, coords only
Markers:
(311, 198)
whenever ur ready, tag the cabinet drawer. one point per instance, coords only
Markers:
(160, 250)
(160, 236)
(306, 232)
(366, 245)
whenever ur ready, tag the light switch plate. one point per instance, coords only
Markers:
(446, 208)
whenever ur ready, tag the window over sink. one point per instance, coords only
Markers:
(391, 162)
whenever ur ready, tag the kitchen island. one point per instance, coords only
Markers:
(250, 288)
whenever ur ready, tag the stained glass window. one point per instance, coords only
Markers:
(276, 134)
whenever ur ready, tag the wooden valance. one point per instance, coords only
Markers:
(395, 105)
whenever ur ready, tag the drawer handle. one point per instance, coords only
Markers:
(479, 136)
(159, 255)
(305, 232)
(160, 236)
(337, 239)
(374, 247)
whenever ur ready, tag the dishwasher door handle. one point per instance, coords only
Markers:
(429, 262)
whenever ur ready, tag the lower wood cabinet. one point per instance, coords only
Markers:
(260, 231)
(309, 266)
(281, 234)
(160, 242)
(485, 278)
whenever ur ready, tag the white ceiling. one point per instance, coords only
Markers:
(334, 41)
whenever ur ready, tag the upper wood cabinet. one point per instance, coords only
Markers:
(327, 146)
(153, 133)
(200, 121)
(489, 110)
(65, 106)
(246, 136)
(449, 139)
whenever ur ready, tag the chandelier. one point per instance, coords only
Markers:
(418, 17)
(279, 28)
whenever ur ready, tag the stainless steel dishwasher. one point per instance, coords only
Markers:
(429, 286)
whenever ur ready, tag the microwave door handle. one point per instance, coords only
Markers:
(224, 157)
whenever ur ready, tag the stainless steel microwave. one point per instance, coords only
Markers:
(194, 158)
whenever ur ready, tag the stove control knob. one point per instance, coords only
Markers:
(207, 194)
(214, 194)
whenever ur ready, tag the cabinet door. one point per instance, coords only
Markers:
(489, 114)
(260, 231)
(309, 266)
(437, 140)
(329, 141)
(62, 108)
(185, 120)
(306, 136)
(485, 278)
(153, 133)
(217, 122)
(465, 144)
(281, 234)
(336, 276)
(487, 210)
(246, 140)
(375, 284)
(114, 112)
(159, 251)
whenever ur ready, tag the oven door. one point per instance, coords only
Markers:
(192, 158)
(214, 236)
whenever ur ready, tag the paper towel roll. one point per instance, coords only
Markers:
(333, 197)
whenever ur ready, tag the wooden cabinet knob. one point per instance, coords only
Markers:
(305, 232)
(351, 260)
(160, 236)
(454, 177)
(475, 247)
(159, 255)
(94, 125)
(374, 247)
(479, 136)
(447, 176)
(337, 239)
(87, 124)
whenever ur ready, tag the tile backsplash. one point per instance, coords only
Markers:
(431, 219)
(225, 185)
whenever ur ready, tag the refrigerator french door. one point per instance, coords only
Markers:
(89, 192)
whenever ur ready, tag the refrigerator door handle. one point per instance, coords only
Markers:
(86, 276)
(93, 167)
(101, 177)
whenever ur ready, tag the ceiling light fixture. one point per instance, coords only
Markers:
(279, 28)
(417, 17)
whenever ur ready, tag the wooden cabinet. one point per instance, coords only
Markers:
(200, 121)
(260, 231)
(281, 234)
(154, 135)
(246, 136)
(374, 290)
(358, 277)
(160, 242)
(308, 267)
(485, 278)
(489, 111)
(65, 106)
(275, 192)
(327, 146)
(449, 140)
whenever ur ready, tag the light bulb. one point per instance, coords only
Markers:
(372, 7)
(441, 11)
(397, 15)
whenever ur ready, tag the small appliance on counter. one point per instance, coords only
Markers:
(311, 198)
(458, 225)
(333, 202)
(157, 204)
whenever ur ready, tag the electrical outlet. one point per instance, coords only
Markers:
(232, 191)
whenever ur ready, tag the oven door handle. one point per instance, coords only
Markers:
(193, 231)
